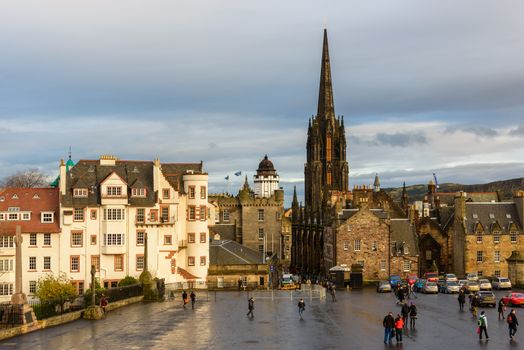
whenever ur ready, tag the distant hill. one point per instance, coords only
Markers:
(504, 187)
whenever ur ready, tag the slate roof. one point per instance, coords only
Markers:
(227, 252)
(403, 231)
(35, 200)
(448, 198)
(226, 231)
(487, 214)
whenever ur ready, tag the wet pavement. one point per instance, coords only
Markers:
(353, 322)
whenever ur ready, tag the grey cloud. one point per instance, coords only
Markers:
(400, 139)
(479, 131)
(519, 131)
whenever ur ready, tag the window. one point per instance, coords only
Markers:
(497, 256)
(32, 263)
(12, 216)
(2, 216)
(140, 237)
(192, 213)
(78, 214)
(382, 265)
(93, 214)
(76, 239)
(26, 216)
(202, 261)
(138, 192)
(356, 246)
(47, 263)
(496, 237)
(93, 240)
(407, 265)
(225, 215)
(139, 262)
(74, 263)
(191, 261)
(190, 238)
(6, 242)
(164, 214)
(361, 263)
(119, 263)
(140, 214)
(95, 261)
(79, 287)
(202, 192)
(492, 216)
(203, 213)
(32, 287)
(346, 245)
(165, 193)
(374, 246)
(32, 239)
(480, 256)
(191, 192)
(260, 234)
(497, 273)
(47, 239)
(114, 214)
(153, 215)
(80, 192)
(168, 239)
(202, 237)
(260, 214)
(6, 265)
(260, 248)
(479, 237)
(6, 288)
(47, 217)
(406, 250)
(513, 236)
(475, 216)
(114, 191)
(114, 239)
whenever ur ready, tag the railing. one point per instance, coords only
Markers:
(182, 244)
(120, 293)
(11, 315)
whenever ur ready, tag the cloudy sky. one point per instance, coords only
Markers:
(424, 87)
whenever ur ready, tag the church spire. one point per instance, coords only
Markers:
(326, 108)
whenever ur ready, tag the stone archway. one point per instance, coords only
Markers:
(430, 251)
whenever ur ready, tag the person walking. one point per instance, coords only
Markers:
(461, 299)
(483, 325)
(250, 307)
(512, 324)
(389, 325)
(333, 296)
(412, 315)
(501, 308)
(184, 299)
(399, 325)
(301, 307)
(103, 303)
(193, 299)
(404, 311)
(474, 304)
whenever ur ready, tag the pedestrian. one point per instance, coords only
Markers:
(412, 290)
(461, 299)
(404, 311)
(301, 307)
(193, 299)
(501, 309)
(239, 284)
(332, 292)
(475, 302)
(250, 307)
(400, 295)
(412, 315)
(512, 324)
(482, 325)
(184, 299)
(399, 325)
(389, 325)
(103, 303)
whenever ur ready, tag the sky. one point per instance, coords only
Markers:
(424, 87)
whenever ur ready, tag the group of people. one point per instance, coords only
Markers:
(251, 306)
(394, 326)
(403, 291)
(185, 300)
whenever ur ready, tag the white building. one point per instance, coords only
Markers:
(266, 180)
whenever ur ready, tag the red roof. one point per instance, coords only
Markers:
(35, 200)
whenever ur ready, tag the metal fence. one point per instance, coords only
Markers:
(11, 315)
(120, 293)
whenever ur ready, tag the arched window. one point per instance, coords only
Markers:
(328, 147)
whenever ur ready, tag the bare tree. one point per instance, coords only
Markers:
(25, 179)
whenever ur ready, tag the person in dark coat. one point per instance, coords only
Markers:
(412, 315)
(501, 309)
(389, 325)
(461, 299)
(184, 299)
(250, 307)
(301, 307)
(193, 299)
(404, 311)
(512, 324)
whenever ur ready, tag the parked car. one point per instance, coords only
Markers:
(501, 283)
(513, 299)
(431, 276)
(462, 283)
(450, 277)
(394, 280)
(484, 284)
(451, 287)
(472, 287)
(383, 287)
(472, 276)
(417, 287)
(487, 298)
(430, 287)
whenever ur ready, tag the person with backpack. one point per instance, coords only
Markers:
(512, 324)
(482, 323)
(501, 308)
(389, 325)
(399, 325)
(301, 307)
(412, 315)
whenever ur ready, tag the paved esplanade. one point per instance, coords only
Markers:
(354, 322)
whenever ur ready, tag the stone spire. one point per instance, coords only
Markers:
(294, 206)
(404, 200)
(376, 184)
(326, 107)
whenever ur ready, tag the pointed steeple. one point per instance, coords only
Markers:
(326, 108)
(404, 202)
(294, 206)
(376, 184)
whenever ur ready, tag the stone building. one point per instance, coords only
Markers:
(286, 239)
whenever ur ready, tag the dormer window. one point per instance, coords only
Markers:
(492, 216)
(475, 216)
(15, 196)
(114, 191)
(138, 192)
(80, 192)
(48, 217)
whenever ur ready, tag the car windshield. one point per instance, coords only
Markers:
(504, 280)
(518, 295)
(486, 294)
(431, 284)
(484, 281)
(472, 284)
(450, 275)
(430, 275)
(452, 284)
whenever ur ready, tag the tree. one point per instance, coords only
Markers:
(127, 281)
(55, 289)
(25, 179)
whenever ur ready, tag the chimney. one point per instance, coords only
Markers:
(108, 160)
(157, 172)
(460, 205)
(62, 182)
(518, 198)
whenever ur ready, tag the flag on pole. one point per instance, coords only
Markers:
(227, 177)
(238, 173)
(436, 182)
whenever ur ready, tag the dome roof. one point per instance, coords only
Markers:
(266, 165)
